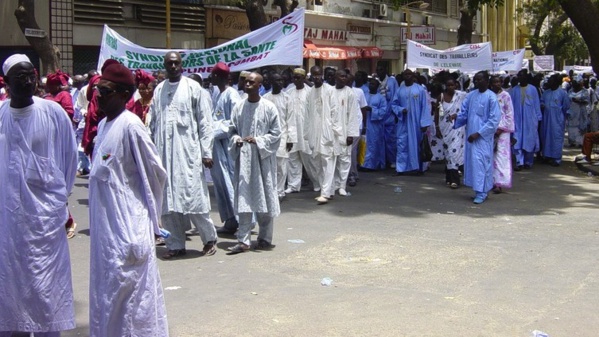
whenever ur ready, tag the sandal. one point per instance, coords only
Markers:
(238, 248)
(208, 250)
(71, 231)
(174, 253)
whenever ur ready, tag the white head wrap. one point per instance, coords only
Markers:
(13, 60)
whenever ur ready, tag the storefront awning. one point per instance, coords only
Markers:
(314, 51)
(371, 52)
(330, 52)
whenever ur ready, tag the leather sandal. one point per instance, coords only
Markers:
(238, 248)
(209, 249)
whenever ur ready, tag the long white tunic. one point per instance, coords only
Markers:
(181, 128)
(298, 130)
(322, 121)
(348, 119)
(281, 101)
(39, 159)
(256, 164)
(125, 198)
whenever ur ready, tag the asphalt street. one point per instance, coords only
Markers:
(407, 256)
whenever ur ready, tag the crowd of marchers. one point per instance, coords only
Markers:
(151, 143)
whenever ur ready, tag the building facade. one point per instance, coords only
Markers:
(354, 34)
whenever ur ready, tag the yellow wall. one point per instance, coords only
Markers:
(500, 26)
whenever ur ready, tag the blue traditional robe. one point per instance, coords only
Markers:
(556, 104)
(414, 99)
(387, 89)
(527, 114)
(480, 113)
(222, 169)
(375, 132)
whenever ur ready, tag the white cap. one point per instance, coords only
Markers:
(13, 60)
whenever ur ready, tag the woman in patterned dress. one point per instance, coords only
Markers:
(502, 156)
(452, 141)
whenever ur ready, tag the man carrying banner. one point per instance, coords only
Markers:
(181, 128)
(222, 170)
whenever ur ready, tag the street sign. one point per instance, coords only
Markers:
(421, 34)
(30, 32)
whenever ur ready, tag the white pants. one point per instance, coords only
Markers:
(246, 223)
(342, 167)
(281, 175)
(294, 171)
(296, 161)
(177, 224)
(313, 167)
(327, 175)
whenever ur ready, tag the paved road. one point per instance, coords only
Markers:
(422, 262)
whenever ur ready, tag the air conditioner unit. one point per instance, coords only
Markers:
(428, 20)
(383, 10)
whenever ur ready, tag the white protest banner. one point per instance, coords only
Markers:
(279, 43)
(510, 60)
(579, 69)
(467, 57)
(543, 63)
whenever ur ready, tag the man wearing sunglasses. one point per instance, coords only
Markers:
(125, 198)
(39, 159)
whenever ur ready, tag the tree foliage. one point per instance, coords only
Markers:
(584, 14)
(254, 9)
(552, 32)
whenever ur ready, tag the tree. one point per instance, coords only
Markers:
(467, 14)
(254, 9)
(553, 34)
(584, 15)
(48, 53)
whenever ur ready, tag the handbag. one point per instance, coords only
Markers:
(426, 154)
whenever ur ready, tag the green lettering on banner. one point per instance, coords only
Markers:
(231, 57)
(111, 41)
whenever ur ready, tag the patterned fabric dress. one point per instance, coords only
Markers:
(502, 156)
(451, 146)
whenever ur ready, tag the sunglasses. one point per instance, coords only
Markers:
(103, 91)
